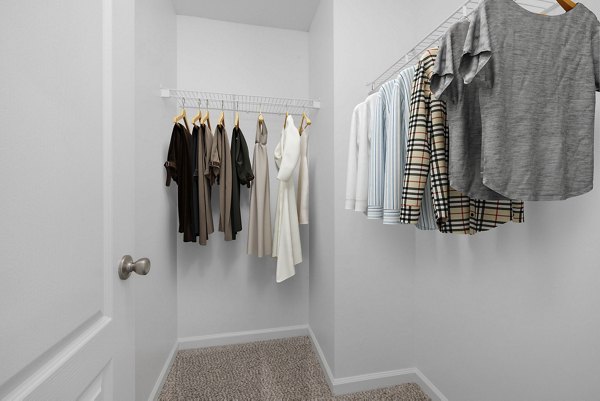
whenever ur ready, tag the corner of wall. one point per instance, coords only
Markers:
(322, 255)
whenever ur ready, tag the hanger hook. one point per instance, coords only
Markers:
(183, 103)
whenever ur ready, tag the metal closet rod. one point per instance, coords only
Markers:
(241, 103)
(411, 56)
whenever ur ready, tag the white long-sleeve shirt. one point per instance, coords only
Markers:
(357, 180)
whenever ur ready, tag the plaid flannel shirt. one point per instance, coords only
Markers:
(428, 157)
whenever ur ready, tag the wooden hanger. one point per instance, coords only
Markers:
(567, 5)
(198, 117)
(285, 121)
(222, 116)
(179, 116)
(206, 116)
(236, 121)
(261, 119)
(301, 128)
(306, 119)
(182, 116)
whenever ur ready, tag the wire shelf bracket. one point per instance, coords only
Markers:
(240, 103)
(412, 55)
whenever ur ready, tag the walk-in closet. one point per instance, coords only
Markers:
(299, 200)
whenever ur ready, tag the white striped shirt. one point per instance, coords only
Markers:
(390, 143)
(376, 161)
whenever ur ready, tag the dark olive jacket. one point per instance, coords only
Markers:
(179, 169)
(242, 175)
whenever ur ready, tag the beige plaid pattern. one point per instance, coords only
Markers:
(428, 157)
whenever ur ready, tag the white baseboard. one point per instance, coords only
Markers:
(342, 385)
(241, 337)
(429, 388)
(371, 381)
(163, 374)
(322, 360)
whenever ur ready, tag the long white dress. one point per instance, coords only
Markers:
(286, 235)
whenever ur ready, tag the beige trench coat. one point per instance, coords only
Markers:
(259, 224)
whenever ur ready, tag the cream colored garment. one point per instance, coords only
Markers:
(286, 236)
(259, 225)
(303, 180)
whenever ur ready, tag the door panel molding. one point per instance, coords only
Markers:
(78, 372)
(93, 392)
(96, 390)
(35, 374)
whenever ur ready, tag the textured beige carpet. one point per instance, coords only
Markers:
(285, 369)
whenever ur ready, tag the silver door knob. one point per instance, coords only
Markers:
(127, 265)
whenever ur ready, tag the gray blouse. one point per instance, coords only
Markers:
(537, 80)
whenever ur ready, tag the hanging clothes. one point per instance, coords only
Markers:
(395, 101)
(242, 175)
(179, 169)
(539, 75)
(463, 113)
(220, 165)
(388, 155)
(303, 181)
(286, 236)
(377, 161)
(358, 136)
(195, 200)
(259, 224)
(428, 157)
(357, 179)
(203, 145)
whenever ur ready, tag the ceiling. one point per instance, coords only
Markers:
(285, 14)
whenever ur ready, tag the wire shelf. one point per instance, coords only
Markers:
(411, 56)
(242, 103)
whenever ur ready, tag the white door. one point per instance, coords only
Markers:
(66, 209)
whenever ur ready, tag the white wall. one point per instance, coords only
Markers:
(374, 264)
(322, 270)
(508, 314)
(512, 314)
(362, 292)
(156, 205)
(220, 288)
